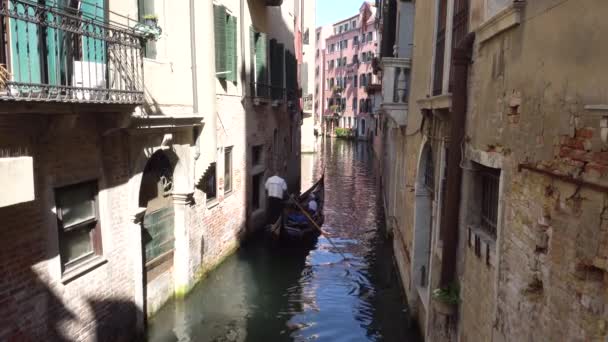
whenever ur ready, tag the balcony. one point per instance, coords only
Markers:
(264, 93)
(67, 55)
(395, 88)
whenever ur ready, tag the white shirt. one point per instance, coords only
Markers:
(276, 186)
(313, 206)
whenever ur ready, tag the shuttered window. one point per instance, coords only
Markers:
(219, 19)
(259, 63)
(225, 44)
(231, 52)
(277, 55)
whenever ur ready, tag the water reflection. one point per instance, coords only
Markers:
(264, 294)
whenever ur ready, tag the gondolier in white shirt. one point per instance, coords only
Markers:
(276, 188)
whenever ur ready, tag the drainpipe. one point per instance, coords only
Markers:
(193, 58)
(450, 220)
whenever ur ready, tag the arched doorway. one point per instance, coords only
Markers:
(158, 233)
(423, 218)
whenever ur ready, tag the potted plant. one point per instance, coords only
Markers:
(151, 20)
(446, 299)
(149, 29)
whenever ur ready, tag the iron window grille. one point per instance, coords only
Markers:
(68, 54)
(429, 171)
(440, 48)
(490, 182)
(228, 170)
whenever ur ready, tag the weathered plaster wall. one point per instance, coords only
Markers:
(529, 86)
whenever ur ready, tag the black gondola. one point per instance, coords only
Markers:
(293, 227)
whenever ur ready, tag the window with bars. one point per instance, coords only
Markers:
(228, 170)
(460, 28)
(429, 170)
(440, 48)
(78, 222)
(490, 182)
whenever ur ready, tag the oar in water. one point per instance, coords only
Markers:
(293, 200)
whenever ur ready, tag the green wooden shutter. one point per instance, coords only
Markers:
(252, 71)
(261, 64)
(272, 47)
(219, 20)
(281, 65)
(93, 50)
(24, 46)
(231, 52)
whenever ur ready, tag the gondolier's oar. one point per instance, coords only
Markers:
(316, 225)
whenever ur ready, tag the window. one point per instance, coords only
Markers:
(490, 180)
(363, 80)
(331, 64)
(355, 104)
(228, 170)
(277, 70)
(317, 71)
(256, 198)
(370, 36)
(210, 183)
(346, 27)
(353, 24)
(346, 44)
(355, 81)
(318, 36)
(78, 222)
(331, 82)
(225, 44)
(317, 54)
(363, 38)
(356, 40)
(344, 62)
(369, 78)
(259, 61)
(257, 153)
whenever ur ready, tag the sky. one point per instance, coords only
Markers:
(330, 11)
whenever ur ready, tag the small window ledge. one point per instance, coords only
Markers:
(443, 101)
(82, 269)
(504, 20)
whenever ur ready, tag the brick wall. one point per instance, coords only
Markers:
(36, 304)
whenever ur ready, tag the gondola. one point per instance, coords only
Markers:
(293, 227)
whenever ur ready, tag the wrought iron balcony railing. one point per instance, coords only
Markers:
(268, 92)
(54, 53)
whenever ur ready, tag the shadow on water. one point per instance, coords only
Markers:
(271, 294)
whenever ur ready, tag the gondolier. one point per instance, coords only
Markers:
(276, 188)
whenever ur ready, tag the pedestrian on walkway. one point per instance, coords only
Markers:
(277, 189)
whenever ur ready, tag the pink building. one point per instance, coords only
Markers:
(344, 72)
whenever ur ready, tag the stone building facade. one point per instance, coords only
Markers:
(346, 72)
(134, 187)
(505, 182)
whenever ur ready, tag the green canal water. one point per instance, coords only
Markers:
(271, 294)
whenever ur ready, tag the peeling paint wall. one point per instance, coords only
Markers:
(528, 89)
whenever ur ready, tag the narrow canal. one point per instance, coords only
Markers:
(262, 294)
